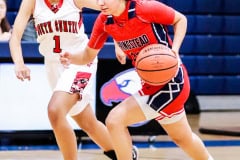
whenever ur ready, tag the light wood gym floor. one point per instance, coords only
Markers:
(222, 147)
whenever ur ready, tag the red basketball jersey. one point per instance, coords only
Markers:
(127, 29)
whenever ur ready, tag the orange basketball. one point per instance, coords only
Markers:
(156, 64)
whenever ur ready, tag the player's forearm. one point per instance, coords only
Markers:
(180, 28)
(84, 57)
(16, 50)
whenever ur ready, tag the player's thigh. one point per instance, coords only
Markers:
(127, 112)
(62, 100)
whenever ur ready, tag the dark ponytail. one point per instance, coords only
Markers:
(5, 25)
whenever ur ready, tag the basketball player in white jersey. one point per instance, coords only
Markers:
(59, 28)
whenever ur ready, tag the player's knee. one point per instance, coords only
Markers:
(113, 121)
(177, 140)
(182, 140)
(54, 113)
(51, 110)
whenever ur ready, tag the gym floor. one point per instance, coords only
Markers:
(222, 144)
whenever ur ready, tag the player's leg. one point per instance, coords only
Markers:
(124, 114)
(96, 130)
(58, 108)
(182, 135)
(174, 121)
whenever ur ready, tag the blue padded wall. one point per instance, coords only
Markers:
(13, 5)
(210, 50)
(11, 16)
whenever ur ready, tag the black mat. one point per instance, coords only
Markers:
(229, 131)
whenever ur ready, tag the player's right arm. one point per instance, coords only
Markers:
(26, 9)
(82, 57)
(96, 42)
(92, 4)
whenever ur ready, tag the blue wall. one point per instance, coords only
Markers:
(210, 50)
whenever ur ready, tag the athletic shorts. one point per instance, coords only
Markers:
(75, 79)
(167, 104)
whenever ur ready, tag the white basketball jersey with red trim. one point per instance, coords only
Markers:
(59, 28)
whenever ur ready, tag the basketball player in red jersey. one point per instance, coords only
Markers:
(135, 24)
(59, 27)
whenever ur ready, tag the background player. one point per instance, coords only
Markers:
(59, 27)
(142, 23)
(5, 28)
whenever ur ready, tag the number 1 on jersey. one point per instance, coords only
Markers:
(57, 48)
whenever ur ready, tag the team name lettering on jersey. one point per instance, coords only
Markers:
(58, 26)
(134, 43)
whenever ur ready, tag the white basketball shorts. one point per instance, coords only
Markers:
(75, 79)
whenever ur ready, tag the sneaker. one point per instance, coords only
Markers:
(135, 153)
(111, 154)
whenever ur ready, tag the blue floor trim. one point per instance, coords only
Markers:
(208, 143)
(22, 147)
(90, 145)
(222, 143)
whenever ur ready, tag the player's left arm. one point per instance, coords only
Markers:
(166, 15)
(180, 28)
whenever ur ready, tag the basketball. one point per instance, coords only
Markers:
(156, 64)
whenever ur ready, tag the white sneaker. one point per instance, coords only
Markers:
(135, 153)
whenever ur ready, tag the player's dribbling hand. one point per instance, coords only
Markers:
(65, 59)
(22, 72)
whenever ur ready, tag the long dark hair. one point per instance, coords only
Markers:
(5, 25)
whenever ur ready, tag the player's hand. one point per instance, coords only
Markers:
(22, 72)
(65, 59)
(121, 56)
